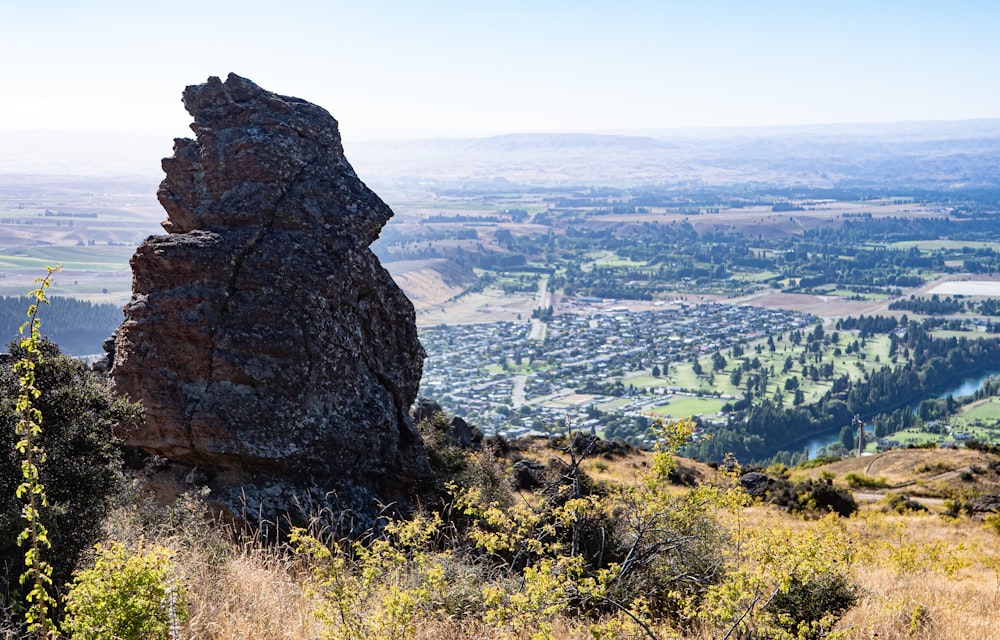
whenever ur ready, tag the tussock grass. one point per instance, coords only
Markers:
(252, 593)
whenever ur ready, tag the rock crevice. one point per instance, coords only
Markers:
(268, 346)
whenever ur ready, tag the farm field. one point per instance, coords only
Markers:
(935, 245)
(986, 288)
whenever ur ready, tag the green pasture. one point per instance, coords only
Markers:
(850, 293)
(517, 279)
(986, 410)
(116, 289)
(97, 258)
(436, 206)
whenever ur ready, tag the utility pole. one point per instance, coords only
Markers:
(859, 424)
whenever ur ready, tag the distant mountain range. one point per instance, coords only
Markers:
(936, 155)
(925, 155)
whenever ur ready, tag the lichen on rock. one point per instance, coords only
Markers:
(268, 346)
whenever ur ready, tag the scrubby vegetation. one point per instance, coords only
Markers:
(615, 550)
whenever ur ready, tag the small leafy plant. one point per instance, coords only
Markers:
(37, 575)
(127, 596)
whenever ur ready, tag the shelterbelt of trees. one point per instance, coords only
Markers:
(759, 428)
(77, 326)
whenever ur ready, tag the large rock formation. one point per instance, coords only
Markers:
(274, 356)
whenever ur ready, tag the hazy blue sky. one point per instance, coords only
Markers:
(385, 67)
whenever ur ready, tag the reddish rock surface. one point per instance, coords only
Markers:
(270, 349)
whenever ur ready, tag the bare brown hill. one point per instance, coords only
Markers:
(936, 473)
(430, 282)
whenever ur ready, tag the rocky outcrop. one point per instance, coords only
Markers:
(270, 349)
(460, 433)
(755, 483)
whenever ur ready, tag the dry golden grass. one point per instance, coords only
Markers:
(617, 469)
(897, 607)
(253, 593)
(924, 576)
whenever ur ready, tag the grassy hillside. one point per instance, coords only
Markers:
(475, 573)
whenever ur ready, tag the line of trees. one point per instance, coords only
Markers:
(77, 326)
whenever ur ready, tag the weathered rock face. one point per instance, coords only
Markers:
(268, 346)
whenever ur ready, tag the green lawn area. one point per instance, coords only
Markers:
(915, 437)
(644, 382)
(685, 407)
(681, 375)
(986, 410)
(517, 369)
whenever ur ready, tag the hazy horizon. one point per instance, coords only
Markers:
(415, 135)
(118, 153)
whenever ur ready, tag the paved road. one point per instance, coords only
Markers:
(538, 327)
(517, 394)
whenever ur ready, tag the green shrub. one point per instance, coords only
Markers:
(810, 496)
(819, 462)
(454, 464)
(809, 608)
(127, 596)
(862, 481)
(824, 496)
(82, 471)
(901, 504)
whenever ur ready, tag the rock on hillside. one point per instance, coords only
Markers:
(273, 354)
